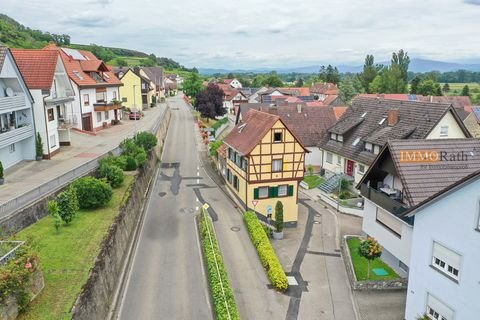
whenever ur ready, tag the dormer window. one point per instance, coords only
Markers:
(368, 147)
(376, 149)
(333, 136)
(340, 138)
(336, 137)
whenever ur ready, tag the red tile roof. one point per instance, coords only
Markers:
(227, 81)
(339, 111)
(324, 88)
(37, 67)
(390, 96)
(78, 70)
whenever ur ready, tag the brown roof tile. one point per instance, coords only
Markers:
(37, 67)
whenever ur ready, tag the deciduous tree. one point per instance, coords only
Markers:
(209, 102)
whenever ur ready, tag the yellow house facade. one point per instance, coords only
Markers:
(265, 164)
(130, 93)
(152, 91)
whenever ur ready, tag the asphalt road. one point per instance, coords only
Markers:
(166, 279)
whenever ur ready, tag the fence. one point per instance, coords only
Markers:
(28, 197)
(8, 249)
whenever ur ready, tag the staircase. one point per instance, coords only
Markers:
(332, 183)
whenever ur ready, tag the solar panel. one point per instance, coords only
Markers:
(75, 54)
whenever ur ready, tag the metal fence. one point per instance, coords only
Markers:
(57, 183)
(8, 250)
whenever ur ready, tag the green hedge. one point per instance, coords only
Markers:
(267, 255)
(213, 276)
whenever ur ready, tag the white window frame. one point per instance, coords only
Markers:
(339, 138)
(265, 189)
(277, 165)
(329, 155)
(99, 116)
(361, 168)
(437, 310)
(446, 261)
(333, 136)
(368, 147)
(53, 141)
(11, 148)
(281, 193)
(339, 160)
(444, 131)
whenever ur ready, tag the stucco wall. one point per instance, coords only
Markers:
(131, 93)
(454, 130)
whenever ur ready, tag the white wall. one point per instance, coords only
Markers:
(444, 223)
(313, 158)
(454, 130)
(334, 167)
(400, 248)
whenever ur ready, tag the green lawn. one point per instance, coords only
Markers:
(459, 87)
(66, 257)
(313, 181)
(360, 264)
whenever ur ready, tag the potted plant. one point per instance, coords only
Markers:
(278, 233)
(39, 147)
(2, 180)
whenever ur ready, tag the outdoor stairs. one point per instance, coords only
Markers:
(332, 183)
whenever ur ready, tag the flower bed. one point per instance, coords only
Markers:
(220, 289)
(265, 251)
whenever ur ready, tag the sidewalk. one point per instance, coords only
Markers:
(29, 175)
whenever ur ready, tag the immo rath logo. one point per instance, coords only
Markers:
(433, 156)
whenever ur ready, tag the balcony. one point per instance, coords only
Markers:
(383, 200)
(12, 103)
(15, 135)
(107, 106)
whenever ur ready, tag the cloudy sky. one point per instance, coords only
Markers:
(264, 33)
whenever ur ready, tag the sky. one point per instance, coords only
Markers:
(247, 34)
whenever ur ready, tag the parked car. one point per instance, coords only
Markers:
(135, 115)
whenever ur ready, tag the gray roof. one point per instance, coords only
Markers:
(362, 120)
(3, 54)
(155, 74)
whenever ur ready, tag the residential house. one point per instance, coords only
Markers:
(149, 88)
(323, 90)
(265, 164)
(135, 88)
(234, 83)
(170, 86)
(413, 192)
(17, 125)
(157, 76)
(308, 124)
(255, 97)
(52, 91)
(356, 139)
(270, 94)
(232, 98)
(472, 122)
(96, 88)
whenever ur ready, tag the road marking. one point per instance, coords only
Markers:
(198, 181)
(198, 173)
(196, 208)
(196, 199)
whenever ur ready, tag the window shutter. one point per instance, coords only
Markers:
(255, 193)
(290, 191)
(273, 192)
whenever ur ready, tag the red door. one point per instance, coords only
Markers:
(350, 168)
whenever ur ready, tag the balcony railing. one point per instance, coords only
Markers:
(392, 205)
(15, 135)
(106, 106)
(12, 103)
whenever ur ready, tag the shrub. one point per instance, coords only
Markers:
(268, 231)
(141, 158)
(39, 145)
(131, 164)
(1, 170)
(92, 192)
(214, 147)
(213, 258)
(146, 140)
(279, 216)
(68, 204)
(112, 173)
(265, 252)
(119, 161)
(54, 210)
(370, 249)
(129, 148)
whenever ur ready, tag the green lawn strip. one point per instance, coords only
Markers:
(219, 123)
(213, 259)
(66, 257)
(265, 251)
(313, 181)
(360, 264)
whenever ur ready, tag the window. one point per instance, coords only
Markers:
(382, 121)
(446, 261)
(361, 168)
(78, 74)
(262, 192)
(51, 114)
(86, 100)
(236, 183)
(99, 117)
(340, 138)
(283, 190)
(12, 148)
(106, 115)
(53, 141)
(277, 165)
(376, 149)
(277, 137)
(333, 136)
(238, 160)
(363, 115)
(368, 147)
(244, 164)
(229, 176)
(101, 95)
(444, 131)
(114, 95)
(329, 158)
(437, 310)
(339, 160)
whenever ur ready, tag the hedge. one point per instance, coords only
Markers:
(213, 275)
(265, 251)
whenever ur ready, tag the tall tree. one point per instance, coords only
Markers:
(273, 80)
(465, 91)
(209, 102)
(329, 74)
(299, 82)
(446, 88)
(429, 87)
(347, 89)
(414, 84)
(192, 84)
(370, 71)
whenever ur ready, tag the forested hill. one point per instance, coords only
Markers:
(16, 35)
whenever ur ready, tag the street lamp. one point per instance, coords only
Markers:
(339, 186)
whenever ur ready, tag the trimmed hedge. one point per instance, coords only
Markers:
(265, 251)
(213, 276)
(92, 193)
(112, 173)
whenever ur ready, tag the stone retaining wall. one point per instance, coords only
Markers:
(396, 284)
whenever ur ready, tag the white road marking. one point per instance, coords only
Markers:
(196, 208)
(198, 181)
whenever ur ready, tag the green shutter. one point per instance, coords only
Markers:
(273, 192)
(290, 191)
(255, 193)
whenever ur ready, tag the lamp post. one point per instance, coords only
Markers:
(339, 187)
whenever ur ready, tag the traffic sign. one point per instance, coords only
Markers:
(205, 206)
(255, 202)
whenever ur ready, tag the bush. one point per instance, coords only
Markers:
(92, 192)
(131, 164)
(120, 161)
(129, 148)
(39, 145)
(279, 216)
(1, 170)
(146, 140)
(141, 158)
(214, 147)
(265, 251)
(212, 255)
(54, 210)
(68, 204)
(112, 173)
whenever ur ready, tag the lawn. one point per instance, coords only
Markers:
(67, 257)
(209, 123)
(360, 264)
(313, 181)
(459, 87)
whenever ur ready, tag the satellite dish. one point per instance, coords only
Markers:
(9, 92)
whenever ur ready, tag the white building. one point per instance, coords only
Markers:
(52, 92)
(17, 126)
(234, 83)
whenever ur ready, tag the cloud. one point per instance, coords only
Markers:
(474, 2)
(103, 3)
(278, 27)
(89, 19)
(241, 30)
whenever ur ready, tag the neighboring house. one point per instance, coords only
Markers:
(309, 124)
(157, 76)
(150, 88)
(96, 90)
(270, 94)
(472, 122)
(232, 99)
(422, 205)
(265, 163)
(323, 90)
(356, 139)
(17, 125)
(52, 91)
(256, 96)
(234, 83)
(170, 86)
(135, 90)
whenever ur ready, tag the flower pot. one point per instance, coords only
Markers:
(38, 158)
(278, 235)
(2, 181)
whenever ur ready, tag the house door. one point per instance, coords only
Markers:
(87, 121)
(350, 164)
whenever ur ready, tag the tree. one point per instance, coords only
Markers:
(329, 74)
(299, 82)
(209, 102)
(121, 62)
(347, 90)
(370, 71)
(39, 145)
(230, 76)
(273, 80)
(370, 249)
(258, 81)
(414, 84)
(402, 60)
(310, 170)
(429, 88)
(192, 84)
(279, 216)
(465, 91)
(92, 192)
(68, 204)
(54, 210)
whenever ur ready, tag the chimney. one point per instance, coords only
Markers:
(299, 108)
(392, 117)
